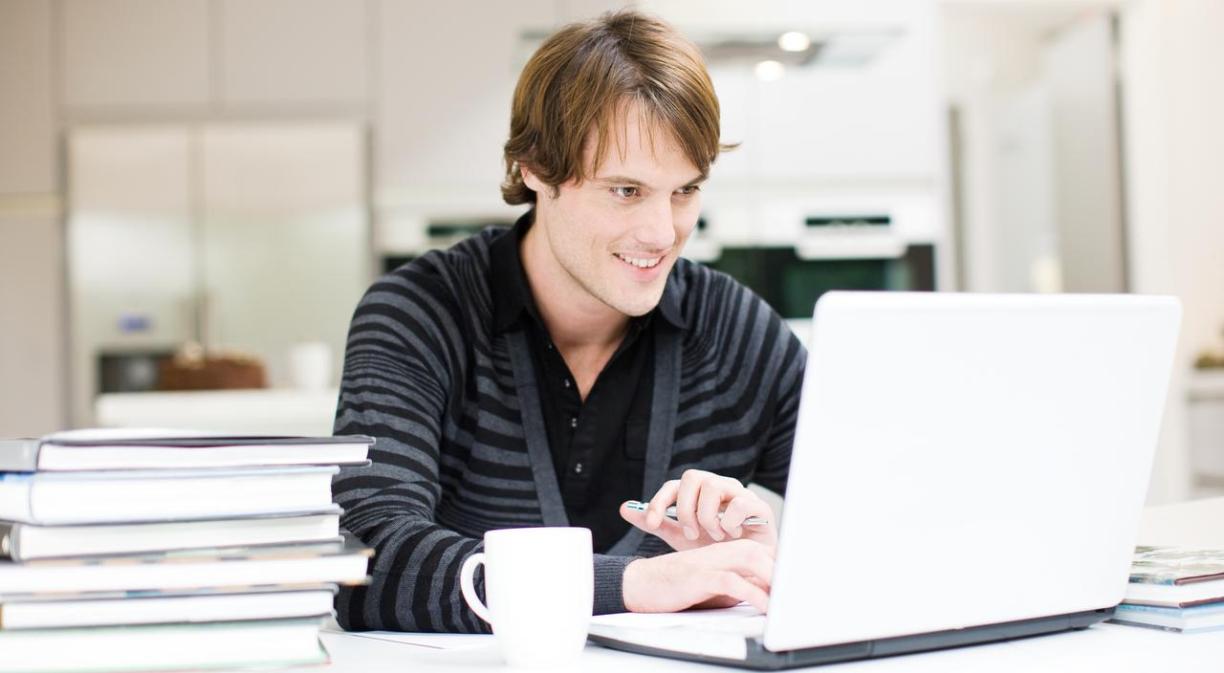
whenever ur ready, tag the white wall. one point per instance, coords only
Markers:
(990, 63)
(1078, 64)
(1172, 99)
(134, 53)
(1173, 104)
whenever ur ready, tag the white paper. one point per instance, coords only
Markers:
(440, 642)
(639, 620)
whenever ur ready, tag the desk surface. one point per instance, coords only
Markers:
(1106, 647)
(1103, 647)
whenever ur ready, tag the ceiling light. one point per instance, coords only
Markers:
(769, 71)
(794, 41)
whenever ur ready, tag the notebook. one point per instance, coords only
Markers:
(155, 448)
(966, 468)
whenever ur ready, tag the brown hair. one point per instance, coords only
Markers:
(583, 76)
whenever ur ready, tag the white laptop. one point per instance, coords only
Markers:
(967, 468)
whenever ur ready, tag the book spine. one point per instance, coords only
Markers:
(16, 498)
(1155, 609)
(1163, 578)
(8, 541)
(19, 455)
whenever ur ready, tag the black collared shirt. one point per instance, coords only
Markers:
(598, 446)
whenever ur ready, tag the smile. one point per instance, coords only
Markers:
(639, 262)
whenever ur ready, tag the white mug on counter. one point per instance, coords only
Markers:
(310, 365)
(539, 584)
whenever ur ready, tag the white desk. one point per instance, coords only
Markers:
(1105, 647)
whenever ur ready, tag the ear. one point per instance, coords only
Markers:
(533, 182)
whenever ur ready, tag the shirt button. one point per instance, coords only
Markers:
(574, 422)
(550, 346)
(567, 383)
(577, 468)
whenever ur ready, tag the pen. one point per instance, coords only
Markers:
(671, 513)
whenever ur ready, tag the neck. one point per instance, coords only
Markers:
(574, 319)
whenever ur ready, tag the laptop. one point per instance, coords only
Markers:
(967, 468)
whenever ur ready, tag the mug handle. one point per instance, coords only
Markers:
(466, 574)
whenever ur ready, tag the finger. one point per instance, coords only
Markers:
(752, 559)
(656, 512)
(672, 536)
(709, 502)
(670, 531)
(758, 583)
(731, 584)
(742, 506)
(633, 516)
(717, 602)
(686, 502)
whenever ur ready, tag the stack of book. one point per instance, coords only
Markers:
(155, 550)
(1175, 589)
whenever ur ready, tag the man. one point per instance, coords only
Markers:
(547, 374)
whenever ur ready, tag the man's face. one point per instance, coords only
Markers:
(618, 233)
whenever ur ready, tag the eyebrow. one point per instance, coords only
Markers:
(632, 182)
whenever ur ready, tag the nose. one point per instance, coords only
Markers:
(656, 229)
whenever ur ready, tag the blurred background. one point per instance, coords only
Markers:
(194, 193)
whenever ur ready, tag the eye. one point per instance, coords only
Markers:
(689, 190)
(625, 192)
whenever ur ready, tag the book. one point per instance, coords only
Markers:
(327, 562)
(1208, 617)
(140, 449)
(50, 498)
(59, 611)
(24, 542)
(1175, 576)
(171, 647)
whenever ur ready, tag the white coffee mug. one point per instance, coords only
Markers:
(539, 584)
(310, 365)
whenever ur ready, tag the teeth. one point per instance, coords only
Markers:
(639, 262)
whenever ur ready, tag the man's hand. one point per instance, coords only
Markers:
(717, 576)
(699, 496)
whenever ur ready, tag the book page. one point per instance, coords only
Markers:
(120, 434)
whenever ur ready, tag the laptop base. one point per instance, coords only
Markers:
(759, 658)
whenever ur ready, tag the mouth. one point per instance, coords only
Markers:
(639, 262)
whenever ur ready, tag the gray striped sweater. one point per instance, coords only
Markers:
(461, 442)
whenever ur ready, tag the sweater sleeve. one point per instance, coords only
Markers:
(398, 374)
(395, 388)
(786, 367)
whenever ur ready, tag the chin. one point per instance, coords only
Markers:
(638, 307)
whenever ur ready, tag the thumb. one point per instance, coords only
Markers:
(634, 517)
(669, 531)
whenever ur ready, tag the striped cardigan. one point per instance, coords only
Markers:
(461, 442)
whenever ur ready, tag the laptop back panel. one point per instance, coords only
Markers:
(965, 460)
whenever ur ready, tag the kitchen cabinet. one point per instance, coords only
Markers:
(281, 52)
(135, 53)
(27, 145)
(153, 56)
(445, 81)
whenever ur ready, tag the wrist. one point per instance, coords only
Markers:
(631, 585)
